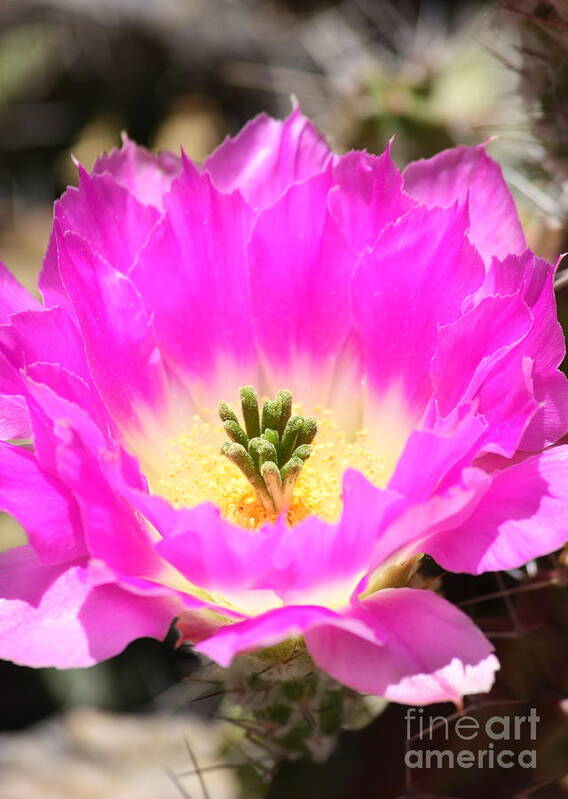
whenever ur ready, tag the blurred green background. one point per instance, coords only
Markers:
(73, 75)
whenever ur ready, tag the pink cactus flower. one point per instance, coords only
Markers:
(408, 345)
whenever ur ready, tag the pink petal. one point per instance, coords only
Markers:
(535, 278)
(483, 357)
(367, 196)
(51, 336)
(312, 563)
(524, 272)
(146, 175)
(194, 626)
(424, 649)
(54, 396)
(192, 276)
(42, 505)
(550, 422)
(469, 173)
(61, 402)
(14, 418)
(38, 337)
(320, 563)
(521, 516)
(418, 521)
(117, 333)
(530, 279)
(91, 212)
(507, 400)
(50, 283)
(13, 296)
(470, 347)
(53, 616)
(301, 268)
(267, 157)
(209, 551)
(431, 455)
(114, 533)
(35, 335)
(80, 401)
(546, 346)
(88, 462)
(416, 278)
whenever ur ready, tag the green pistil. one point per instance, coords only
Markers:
(271, 447)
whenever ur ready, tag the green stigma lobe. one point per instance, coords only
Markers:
(289, 437)
(273, 437)
(249, 406)
(236, 432)
(226, 413)
(271, 413)
(308, 431)
(285, 399)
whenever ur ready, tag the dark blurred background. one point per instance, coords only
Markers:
(73, 75)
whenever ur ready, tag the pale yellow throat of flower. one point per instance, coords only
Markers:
(198, 472)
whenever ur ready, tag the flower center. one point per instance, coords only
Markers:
(273, 464)
(271, 449)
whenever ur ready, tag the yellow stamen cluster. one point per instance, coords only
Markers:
(200, 473)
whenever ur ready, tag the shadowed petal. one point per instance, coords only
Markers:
(381, 646)
(424, 649)
(42, 504)
(267, 629)
(53, 616)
